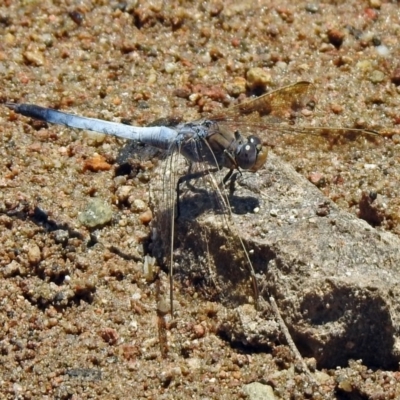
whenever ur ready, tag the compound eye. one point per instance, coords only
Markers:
(254, 140)
(247, 155)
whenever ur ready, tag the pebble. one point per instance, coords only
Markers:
(193, 363)
(61, 236)
(34, 254)
(170, 68)
(370, 166)
(11, 269)
(182, 92)
(322, 377)
(96, 214)
(199, 331)
(382, 50)
(335, 37)
(149, 270)
(396, 138)
(163, 307)
(9, 38)
(345, 385)
(96, 163)
(375, 3)
(395, 78)
(165, 378)
(326, 47)
(76, 16)
(34, 57)
(138, 205)
(146, 217)
(364, 65)
(273, 213)
(257, 77)
(123, 193)
(311, 363)
(316, 178)
(109, 335)
(312, 8)
(237, 87)
(258, 391)
(376, 76)
(336, 108)
(97, 137)
(281, 65)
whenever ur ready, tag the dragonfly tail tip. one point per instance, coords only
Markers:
(11, 106)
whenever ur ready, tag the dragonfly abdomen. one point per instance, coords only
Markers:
(158, 136)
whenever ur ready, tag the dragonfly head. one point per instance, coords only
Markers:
(251, 155)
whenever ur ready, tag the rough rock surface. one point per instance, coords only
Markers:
(335, 278)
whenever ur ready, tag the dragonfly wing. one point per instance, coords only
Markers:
(207, 263)
(279, 103)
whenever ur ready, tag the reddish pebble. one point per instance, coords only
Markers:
(199, 330)
(96, 163)
(109, 335)
(336, 108)
(235, 42)
(395, 78)
(371, 14)
(146, 217)
(236, 375)
(335, 37)
(316, 178)
(182, 92)
(117, 101)
(130, 352)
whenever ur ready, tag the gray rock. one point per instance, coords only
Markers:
(258, 391)
(96, 214)
(334, 277)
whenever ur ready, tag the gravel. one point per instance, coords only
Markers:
(79, 318)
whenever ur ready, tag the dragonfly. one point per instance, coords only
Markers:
(216, 141)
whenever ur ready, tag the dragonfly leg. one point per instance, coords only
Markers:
(232, 182)
(227, 177)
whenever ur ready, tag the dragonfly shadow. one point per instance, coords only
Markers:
(197, 201)
(208, 251)
(132, 154)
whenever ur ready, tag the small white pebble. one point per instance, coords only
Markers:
(370, 166)
(194, 97)
(136, 296)
(170, 68)
(281, 65)
(134, 325)
(382, 50)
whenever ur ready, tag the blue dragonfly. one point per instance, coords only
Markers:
(217, 142)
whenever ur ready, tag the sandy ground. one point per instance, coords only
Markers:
(78, 316)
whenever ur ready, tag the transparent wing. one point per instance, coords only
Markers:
(278, 103)
(276, 112)
(189, 219)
